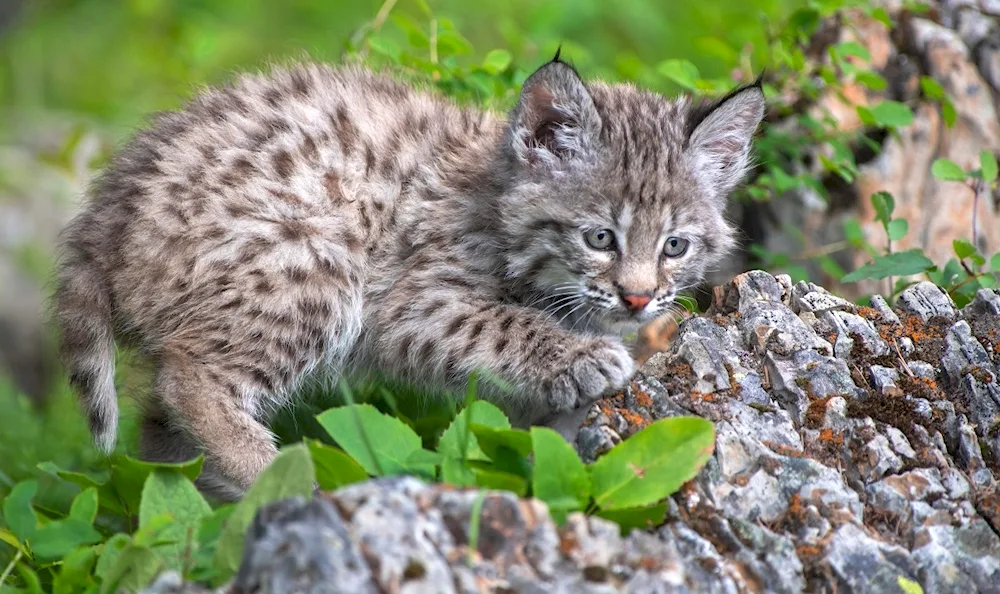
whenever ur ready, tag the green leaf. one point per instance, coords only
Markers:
(948, 113)
(897, 229)
(17, 511)
(389, 440)
(496, 61)
(504, 481)
(853, 232)
(946, 170)
(871, 80)
(75, 571)
(55, 539)
(560, 478)
(334, 468)
(988, 165)
(995, 262)
(455, 472)
(491, 440)
(963, 248)
(290, 474)
(636, 518)
(84, 507)
(909, 586)
(133, 568)
(896, 264)
(931, 88)
(851, 48)
(884, 204)
(110, 551)
(30, 578)
(170, 492)
(892, 114)
(480, 412)
(653, 463)
(128, 476)
(682, 72)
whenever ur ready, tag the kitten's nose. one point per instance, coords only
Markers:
(636, 301)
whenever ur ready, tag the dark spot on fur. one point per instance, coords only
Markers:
(456, 324)
(477, 329)
(501, 345)
(297, 274)
(283, 164)
(434, 307)
(331, 181)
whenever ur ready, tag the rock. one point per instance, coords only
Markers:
(829, 473)
(926, 300)
(861, 563)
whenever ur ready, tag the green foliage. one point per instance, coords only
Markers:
(177, 529)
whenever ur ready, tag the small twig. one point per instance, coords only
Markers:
(906, 366)
(10, 567)
(824, 250)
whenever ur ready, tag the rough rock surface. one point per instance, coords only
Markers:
(843, 462)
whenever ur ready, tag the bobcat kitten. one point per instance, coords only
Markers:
(328, 221)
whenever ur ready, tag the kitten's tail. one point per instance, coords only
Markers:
(83, 312)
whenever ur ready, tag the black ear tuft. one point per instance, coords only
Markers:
(555, 58)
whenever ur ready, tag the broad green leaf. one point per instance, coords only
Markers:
(491, 439)
(133, 568)
(896, 264)
(988, 166)
(75, 571)
(995, 262)
(84, 507)
(503, 481)
(110, 551)
(963, 248)
(334, 468)
(290, 474)
(168, 491)
(884, 204)
(496, 61)
(106, 492)
(653, 463)
(641, 518)
(455, 472)
(480, 412)
(892, 114)
(946, 170)
(55, 539)
(10, 538)
(682, 72)
(560, 478)
(853, 232)
(379, 443)
(881, 15)
(18, 514)
(128, 476)
(897, 229)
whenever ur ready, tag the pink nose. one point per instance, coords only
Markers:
(636, 302)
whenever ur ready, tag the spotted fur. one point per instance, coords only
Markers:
(326, 221)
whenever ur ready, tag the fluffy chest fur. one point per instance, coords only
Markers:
(336, 220)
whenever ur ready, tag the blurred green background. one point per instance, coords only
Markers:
(77, 76)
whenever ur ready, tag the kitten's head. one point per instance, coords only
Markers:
(617, 197)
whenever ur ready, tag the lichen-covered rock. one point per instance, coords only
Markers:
(833, 471)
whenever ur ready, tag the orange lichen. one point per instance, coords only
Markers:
(827, 435)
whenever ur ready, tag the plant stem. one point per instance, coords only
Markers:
(10, 567)
(977, 188)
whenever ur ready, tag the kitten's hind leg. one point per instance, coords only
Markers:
(205, 409)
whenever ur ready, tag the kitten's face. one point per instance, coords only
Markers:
(619, 198)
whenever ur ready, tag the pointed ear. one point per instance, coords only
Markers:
(719, 138)
(555, 119)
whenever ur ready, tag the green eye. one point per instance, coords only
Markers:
(600, 239)
(675, 247)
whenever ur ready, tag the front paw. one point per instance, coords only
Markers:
(602, 369)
